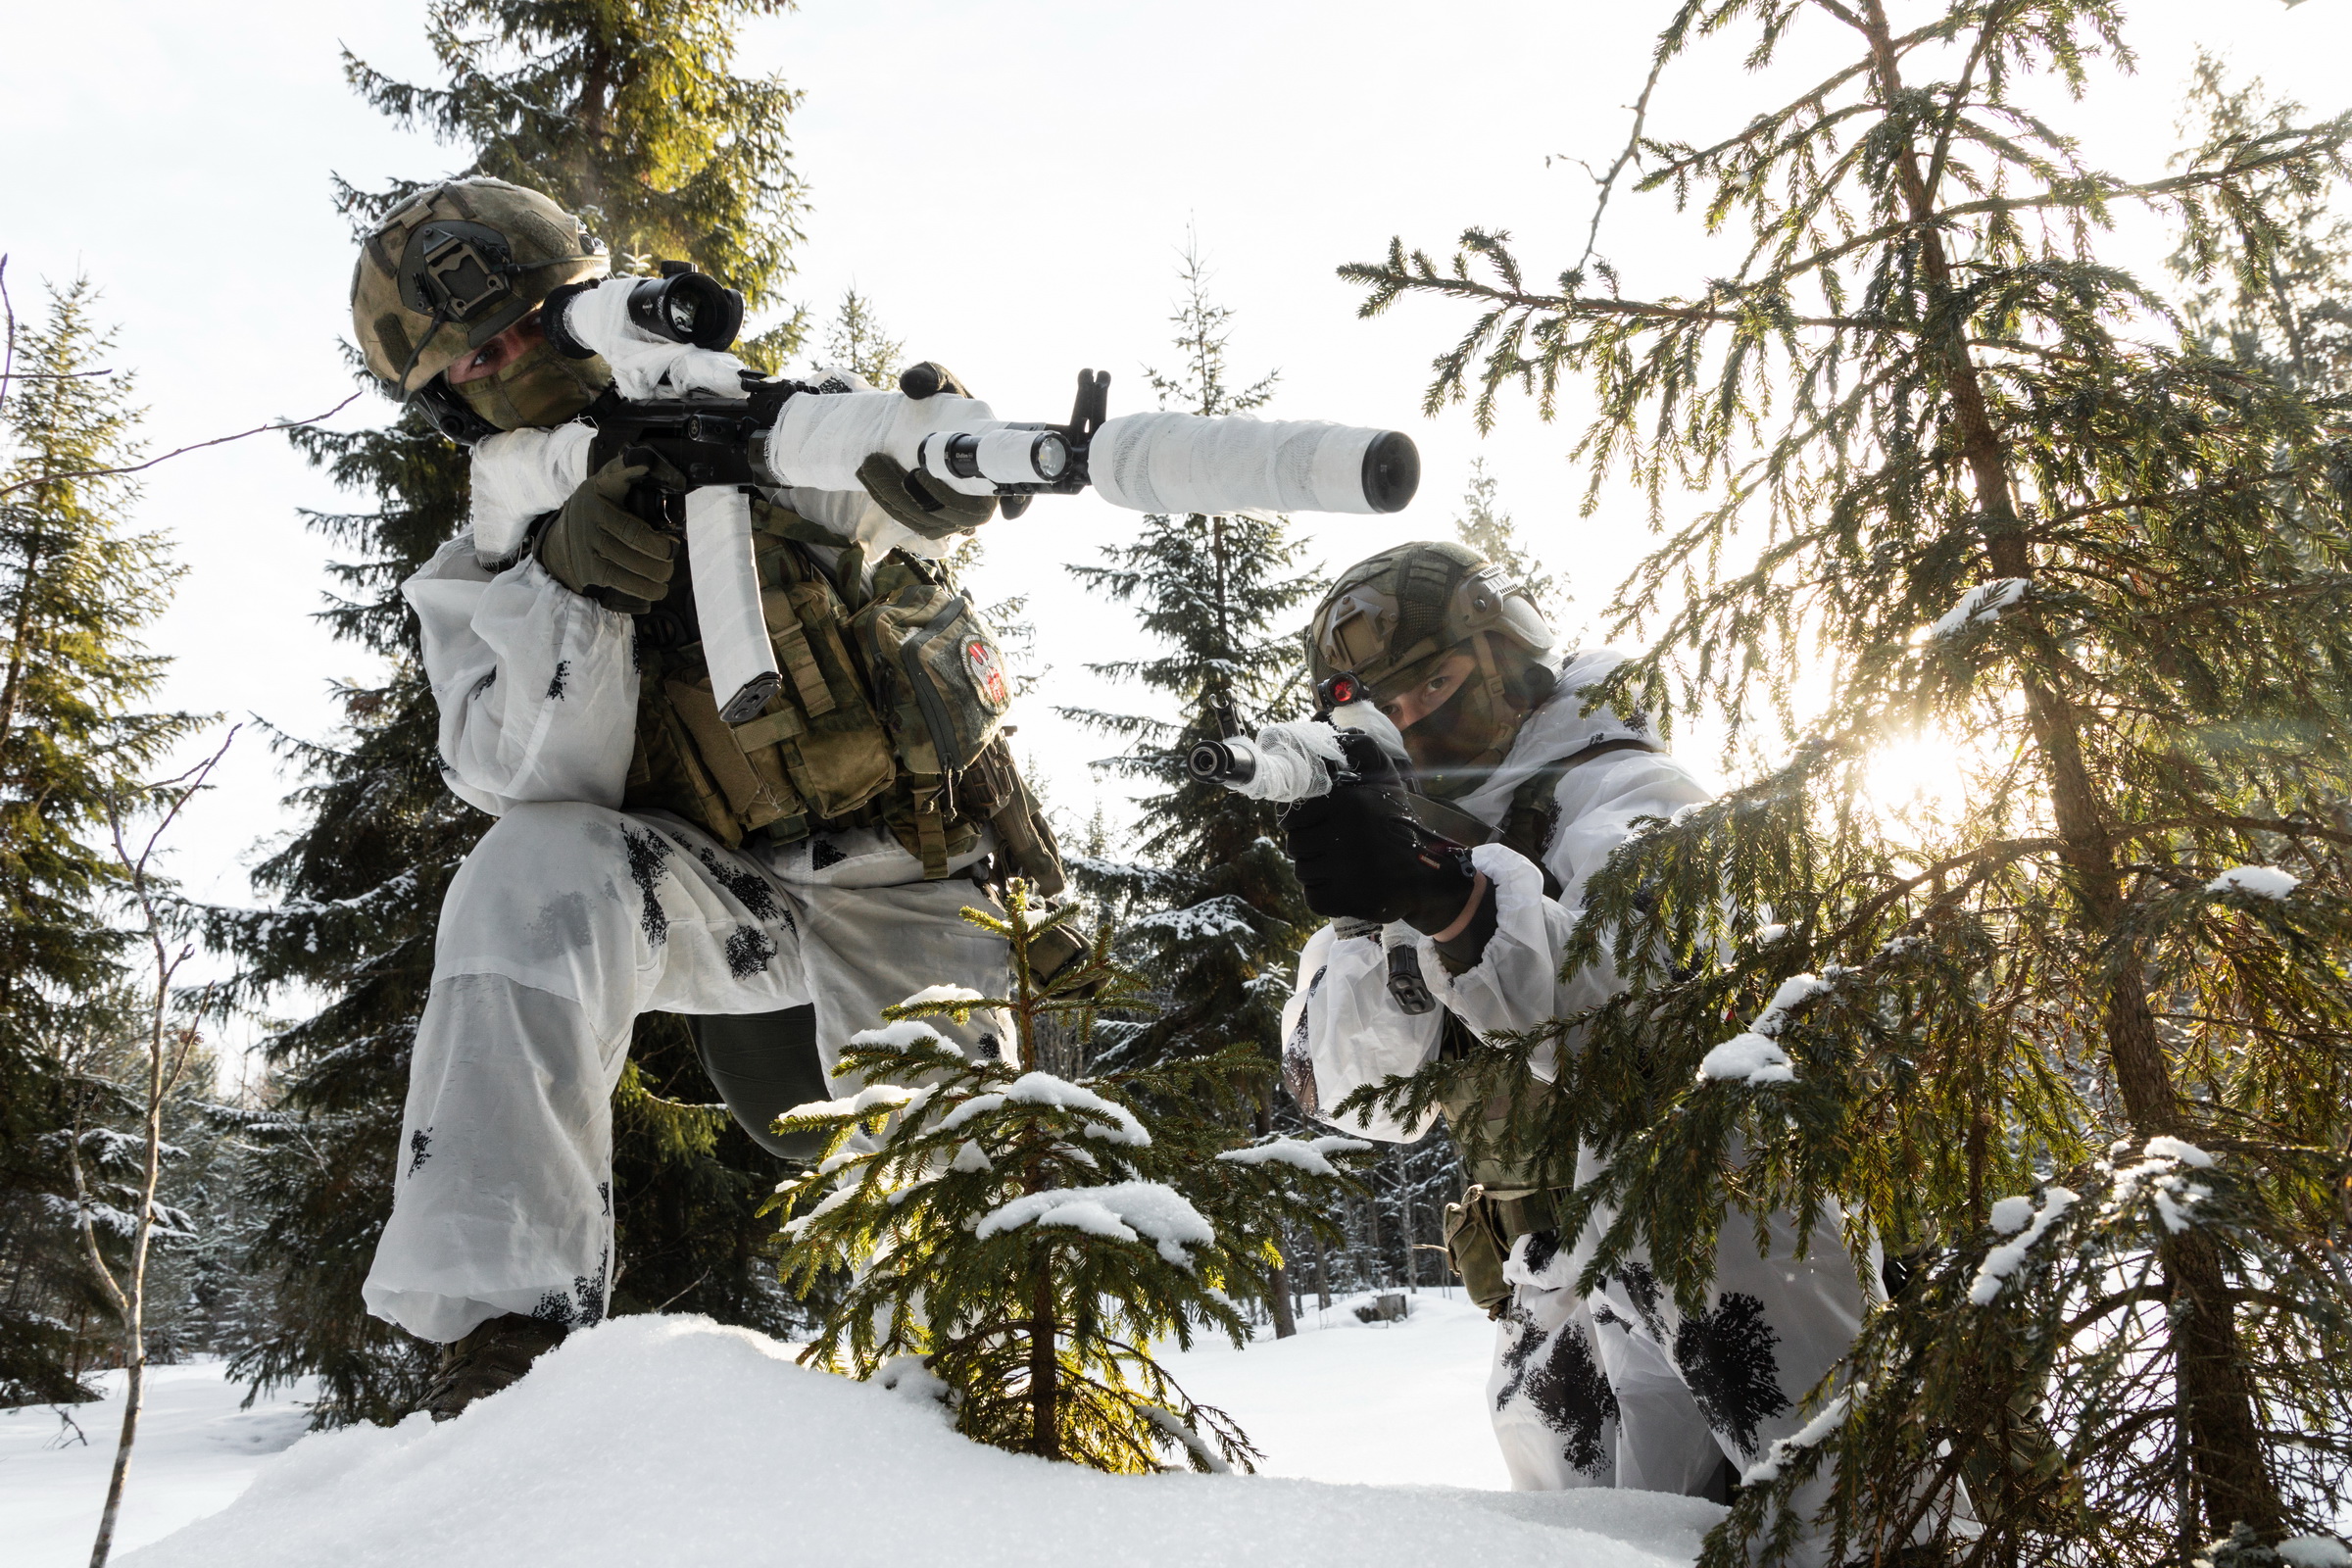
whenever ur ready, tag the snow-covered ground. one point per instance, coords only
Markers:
(196, 1451)
(672, 1440)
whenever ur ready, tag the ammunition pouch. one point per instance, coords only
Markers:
(888, 717)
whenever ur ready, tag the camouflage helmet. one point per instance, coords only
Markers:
(1390, 616)
(455, 265)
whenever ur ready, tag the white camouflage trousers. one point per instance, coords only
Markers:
(564, 924)
(1620, 1388)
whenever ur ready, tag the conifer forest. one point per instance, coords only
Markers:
(1869, 659)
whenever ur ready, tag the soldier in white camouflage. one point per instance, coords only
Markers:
(1615, 1387)
(781, 880)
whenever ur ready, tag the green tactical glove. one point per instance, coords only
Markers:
(598, 547)
(930, 509)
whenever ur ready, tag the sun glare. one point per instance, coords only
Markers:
(1917, 779)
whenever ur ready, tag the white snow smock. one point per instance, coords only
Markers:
(571, 917)
(1617, 1386)
(1341, 1016)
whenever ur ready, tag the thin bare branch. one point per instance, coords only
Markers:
(193, 446)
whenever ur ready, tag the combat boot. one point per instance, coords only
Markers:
(491, 1357)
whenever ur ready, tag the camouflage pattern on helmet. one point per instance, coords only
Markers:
(1389, 617)
(455, 265)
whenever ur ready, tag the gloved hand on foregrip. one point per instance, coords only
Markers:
(1360, 854)
(598, 547)
(917, 503)
(914, 502)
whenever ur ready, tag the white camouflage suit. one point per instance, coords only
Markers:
(571, 916)
(1617, 1388)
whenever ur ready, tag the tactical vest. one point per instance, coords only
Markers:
(890, 714)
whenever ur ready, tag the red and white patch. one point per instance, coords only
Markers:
(986, 668)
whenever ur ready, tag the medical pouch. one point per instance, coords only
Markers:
(939, 676)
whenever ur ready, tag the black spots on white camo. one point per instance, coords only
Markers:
(560, 681)
(823, 855)
(1298, 1062)
(583, 1307)
(1726, 1359)
(1641, 1290)
(748, 951)
(1556, 1376)
(421, 1148)
(648, 862)
(751, 890)
(484, 684)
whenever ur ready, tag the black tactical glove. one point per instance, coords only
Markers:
(1361, 855)
(598, 547)
(914, 501)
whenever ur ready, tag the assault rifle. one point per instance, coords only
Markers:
(1350, 744)
(726, 428)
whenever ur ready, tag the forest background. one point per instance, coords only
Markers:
(1010, 184)
(1025, 220)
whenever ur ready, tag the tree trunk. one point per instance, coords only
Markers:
(1278, 1279)
(1044, 1367)
(2218, 1426)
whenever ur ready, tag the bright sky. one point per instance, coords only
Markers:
(1009, 182)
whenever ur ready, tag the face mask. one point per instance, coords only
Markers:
(537, 389)
(1457, 744)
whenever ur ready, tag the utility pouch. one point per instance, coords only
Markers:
(1477, 1251)
(1481, 1229)
(992, 789)
(832, 742)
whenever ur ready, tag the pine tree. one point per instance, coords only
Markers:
(2073, 1045)
(1030, 1239)
(859, 341)
(1489, 530)
(76, 588)
(1221, 918)
(2285, 307)
(1225, 915)
(633, 116)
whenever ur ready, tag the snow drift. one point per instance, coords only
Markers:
(674, 1440)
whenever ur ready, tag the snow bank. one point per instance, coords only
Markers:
(197, 1450)
(674, 1440)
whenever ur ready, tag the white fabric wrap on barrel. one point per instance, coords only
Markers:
(1177, 462)
(517, 474)
(822, 437)
(727, 590)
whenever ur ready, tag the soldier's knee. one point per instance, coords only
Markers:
(541, 837)
(538, 852)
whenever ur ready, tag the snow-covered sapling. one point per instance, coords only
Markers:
(1030, 1237)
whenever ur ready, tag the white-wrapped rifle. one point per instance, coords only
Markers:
(727, 430)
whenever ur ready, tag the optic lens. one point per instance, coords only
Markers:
(681, 314)
(1051, 457)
